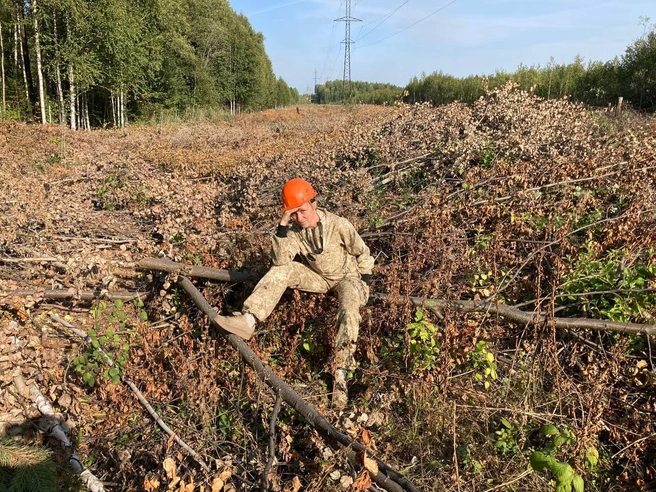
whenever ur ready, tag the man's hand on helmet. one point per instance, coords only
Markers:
(287, 216)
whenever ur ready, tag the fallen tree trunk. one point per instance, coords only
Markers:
(62, 294)
(520, 316)
(165, 265)
(508, 312)
(386, 477)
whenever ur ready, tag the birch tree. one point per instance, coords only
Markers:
(110, 60)
(21, 42)
(57, 71)
(39, 68)
(2, 74)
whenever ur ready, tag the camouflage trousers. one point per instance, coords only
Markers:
(352, 294)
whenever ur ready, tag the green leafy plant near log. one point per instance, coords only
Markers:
(423, 345)
(567, 480)
(106, 191)
(107, 344)
(617, 286)
(506, 438)
(483, 283)
(483, 363)
(375, 209)
(488, 155)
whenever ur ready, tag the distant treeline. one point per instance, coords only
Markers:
(99, 63)
(361, 92)
(631, 76)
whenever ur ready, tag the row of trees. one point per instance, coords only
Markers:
(99, 63)
(631, 76)
(360, 92)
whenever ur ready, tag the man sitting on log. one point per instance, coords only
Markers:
(333, 258)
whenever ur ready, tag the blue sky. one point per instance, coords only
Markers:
(463, 38)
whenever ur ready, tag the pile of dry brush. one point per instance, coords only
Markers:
(513, 199)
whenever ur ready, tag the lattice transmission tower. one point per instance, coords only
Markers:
(347, 19)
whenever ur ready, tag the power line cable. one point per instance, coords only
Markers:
(384, 19)
(325, 62)
(408, 27)
(334, 63)
(365, 24)
(361, 25)
(332, 32)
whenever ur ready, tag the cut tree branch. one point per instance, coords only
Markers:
(29, 260)
(508, 312)
(514, 314)
(387, 477)
(62, 294)
(165, 265)
(51, 426)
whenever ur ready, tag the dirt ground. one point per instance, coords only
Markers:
(499, 199)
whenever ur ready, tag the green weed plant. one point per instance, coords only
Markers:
(423, 346)
(483, 363)
(615, 287)
(506, 438)
(567, 480)
(107, 352)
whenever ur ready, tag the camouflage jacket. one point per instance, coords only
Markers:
(333, 248)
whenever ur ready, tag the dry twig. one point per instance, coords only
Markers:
(272, 440)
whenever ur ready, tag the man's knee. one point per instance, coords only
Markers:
(352, 294)
(279, 274)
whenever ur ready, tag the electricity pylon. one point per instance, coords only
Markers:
(346, 81)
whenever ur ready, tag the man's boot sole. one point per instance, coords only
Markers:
(246, 333)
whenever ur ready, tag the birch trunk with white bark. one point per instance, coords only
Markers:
(16, 47)
(2, 75)
(87, 121)
(124, 117)
(60, 90)
(19, 27)
(71, 93)
(39, 68)
(71, 85)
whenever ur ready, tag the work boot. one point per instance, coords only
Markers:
(340, 391)
(242, 325)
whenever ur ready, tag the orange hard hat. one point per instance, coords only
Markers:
(296, 192)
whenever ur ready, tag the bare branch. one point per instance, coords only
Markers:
(61, 294)
(51, 426)
(514, 314)
(272, 440)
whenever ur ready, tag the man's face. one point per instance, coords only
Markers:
(306, 215)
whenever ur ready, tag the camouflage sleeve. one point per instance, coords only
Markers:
(355, 246)
(284, 246)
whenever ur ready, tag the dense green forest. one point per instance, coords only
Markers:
(631, 76)
(99, 63)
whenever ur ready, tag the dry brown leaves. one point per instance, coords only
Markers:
(499, 181)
